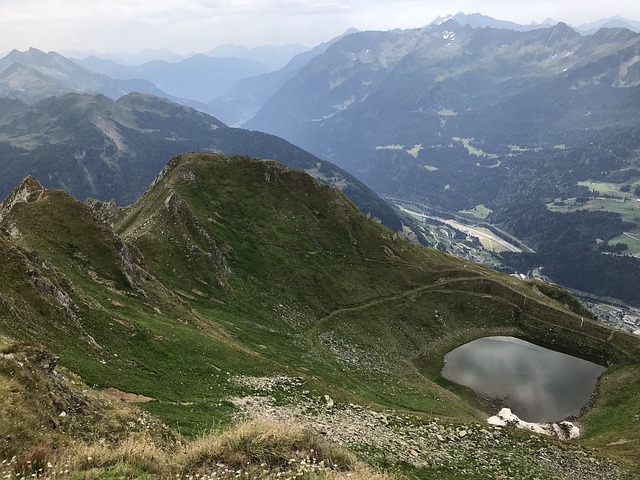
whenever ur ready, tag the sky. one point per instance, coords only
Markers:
(187, 26)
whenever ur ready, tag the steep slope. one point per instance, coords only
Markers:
(240, 102)
(401, 84)
(93, 146)
(233, 275)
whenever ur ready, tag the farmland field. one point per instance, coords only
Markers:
(627, 207)
(601, 187)
(629, 210)
(479, 211)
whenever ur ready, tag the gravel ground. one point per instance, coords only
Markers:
(471, 451)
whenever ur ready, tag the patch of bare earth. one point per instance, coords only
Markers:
(127, 397)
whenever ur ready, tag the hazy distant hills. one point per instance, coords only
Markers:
(205, 77)
(245, 97)
(127, 58)
(275, 56)
(230, 81)
(34, 75)
(92, 146)
(613, 22)
(200, 77)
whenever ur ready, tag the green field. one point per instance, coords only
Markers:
(601, 187)
(479, 211)
(489, 244)
(632, 239)
(629, 210)
(473, 150)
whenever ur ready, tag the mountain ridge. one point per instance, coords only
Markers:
(248, 267)
(243, 99)
(108, 149)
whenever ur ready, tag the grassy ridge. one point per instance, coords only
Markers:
(233, 266)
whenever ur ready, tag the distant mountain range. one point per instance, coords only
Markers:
(478, 20)
(197, 78)
(613, 22)
(34, 75)
(275, 56)
(127, 58)
(246, 96)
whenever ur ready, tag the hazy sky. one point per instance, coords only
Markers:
(198, 25)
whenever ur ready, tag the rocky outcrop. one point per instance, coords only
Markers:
(131, 260)
(198, 241)
(48, 280)
(36, 353)
(562, 430)
(105, 210)
(29, 190)
(64, 300)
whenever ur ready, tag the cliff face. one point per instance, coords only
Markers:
(29, 190)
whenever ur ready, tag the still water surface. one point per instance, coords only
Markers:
(537, 384)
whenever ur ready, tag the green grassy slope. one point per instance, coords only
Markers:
(233, 266)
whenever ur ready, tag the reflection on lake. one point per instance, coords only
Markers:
(537, 384)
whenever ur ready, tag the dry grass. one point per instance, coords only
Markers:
(22, 427)
(139, 451)
(267, 445)
(258, 450)
(54, 426)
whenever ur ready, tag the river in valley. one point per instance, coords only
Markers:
(537, 384)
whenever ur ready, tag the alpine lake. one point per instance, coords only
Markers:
(537, 384)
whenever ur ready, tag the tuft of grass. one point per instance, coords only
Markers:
(268, 449)
(263, 443)
(138, 453)
(47, 410)
(257, 450)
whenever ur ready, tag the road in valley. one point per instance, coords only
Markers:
(479, 232)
